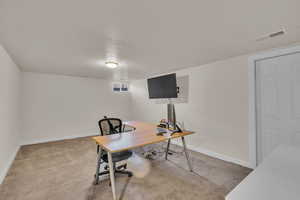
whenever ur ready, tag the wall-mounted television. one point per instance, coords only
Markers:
(162, 87)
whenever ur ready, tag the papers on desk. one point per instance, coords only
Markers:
(165, 132)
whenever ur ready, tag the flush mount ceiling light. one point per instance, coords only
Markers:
(111, 64)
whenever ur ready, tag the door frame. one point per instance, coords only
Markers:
(253, 95)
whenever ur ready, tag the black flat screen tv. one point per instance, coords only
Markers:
(162, 87)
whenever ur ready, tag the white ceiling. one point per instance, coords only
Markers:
(147, 37)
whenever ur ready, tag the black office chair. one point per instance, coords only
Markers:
(110, 126)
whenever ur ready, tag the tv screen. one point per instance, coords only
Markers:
(162, 87)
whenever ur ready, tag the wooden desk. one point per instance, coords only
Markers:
(144, 134)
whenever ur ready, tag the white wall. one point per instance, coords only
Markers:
(57, 107)
(9, 111)
(217, 108)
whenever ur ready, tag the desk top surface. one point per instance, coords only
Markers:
(144, 134)
(276, 178)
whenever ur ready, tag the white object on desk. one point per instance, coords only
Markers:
(277, 178)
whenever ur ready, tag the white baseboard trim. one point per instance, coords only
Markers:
(4, 171)
(215, 155)
(191, 147)
(56, 139)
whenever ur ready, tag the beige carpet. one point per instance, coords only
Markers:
(64, 170)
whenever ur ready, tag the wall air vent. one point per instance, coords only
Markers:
(272, 35)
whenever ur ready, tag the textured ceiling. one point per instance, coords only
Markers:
(76, 37)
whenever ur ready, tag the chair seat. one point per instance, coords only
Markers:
(118, 156)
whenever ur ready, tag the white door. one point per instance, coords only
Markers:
(278, 103)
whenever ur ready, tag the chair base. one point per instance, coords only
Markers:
(125, 172)
(116, 171)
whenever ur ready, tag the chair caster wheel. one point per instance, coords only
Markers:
(95, 182)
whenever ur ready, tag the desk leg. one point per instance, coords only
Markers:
(186, 154)
(98, 166)
(167, 151)
(112, 175)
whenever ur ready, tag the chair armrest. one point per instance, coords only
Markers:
(127, 128)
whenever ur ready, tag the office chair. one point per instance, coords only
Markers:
(110, 126)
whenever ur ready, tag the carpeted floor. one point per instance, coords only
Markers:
(64, 170)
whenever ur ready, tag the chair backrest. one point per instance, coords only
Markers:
(110, 126)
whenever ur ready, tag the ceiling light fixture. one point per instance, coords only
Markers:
(111, 64)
